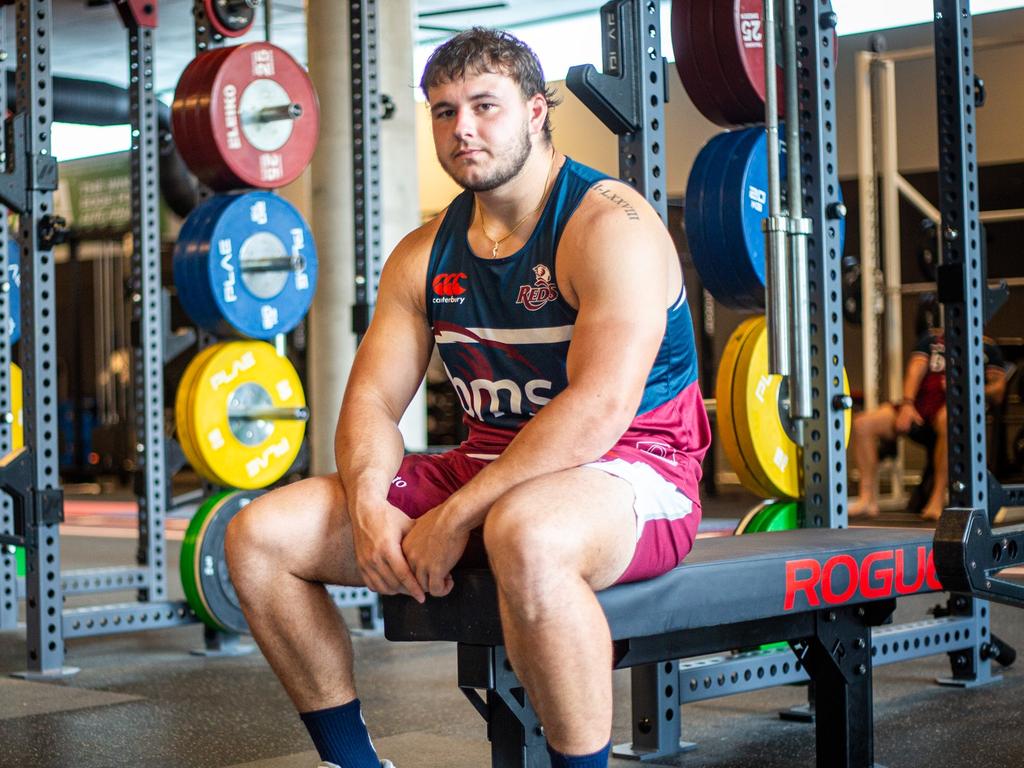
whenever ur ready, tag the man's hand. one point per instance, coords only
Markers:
(377, 534)
(432, 548)
(906, 418)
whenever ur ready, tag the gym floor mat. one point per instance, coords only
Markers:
(22, 698)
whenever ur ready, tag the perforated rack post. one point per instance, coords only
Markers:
(825, 484)
(33, 83)
(968, 553)
(8, 562)
(366, 118)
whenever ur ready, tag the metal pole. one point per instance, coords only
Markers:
(777, 305)
(893, 334)
(867, 179)
(800, 406)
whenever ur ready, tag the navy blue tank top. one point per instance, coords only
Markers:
(503, 329)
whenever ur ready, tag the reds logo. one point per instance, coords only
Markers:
(447, 284)
(535, 296)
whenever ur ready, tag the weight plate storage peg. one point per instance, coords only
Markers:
(245, 415)
(204, 571)
(231, 18)
(245, 116)
(246, 265)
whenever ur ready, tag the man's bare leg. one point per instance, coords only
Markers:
(552, 542)
(868, 428)
(281, 550)
(940, 461)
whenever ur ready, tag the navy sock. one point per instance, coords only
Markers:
(598, 759)
(340, 736)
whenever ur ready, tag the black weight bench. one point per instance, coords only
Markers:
(821, 590)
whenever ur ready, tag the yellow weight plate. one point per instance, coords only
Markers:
(725, 417)
(203, 469)
(181, 410)
(773, 458)
(17, 408)
(246, 374)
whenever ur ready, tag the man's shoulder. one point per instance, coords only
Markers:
(610, 206)
(414, 249)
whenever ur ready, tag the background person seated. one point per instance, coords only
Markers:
(921, 415)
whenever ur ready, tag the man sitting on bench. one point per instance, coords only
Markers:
(921, 416)
(556, 300)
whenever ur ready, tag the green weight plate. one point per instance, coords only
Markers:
(204, 571)
(772, 516)
(744, 524)
(19, 558)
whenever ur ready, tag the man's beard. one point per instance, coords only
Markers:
(514, 160)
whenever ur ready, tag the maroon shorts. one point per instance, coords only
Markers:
(666, 518)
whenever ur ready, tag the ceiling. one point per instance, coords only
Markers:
(90, 42)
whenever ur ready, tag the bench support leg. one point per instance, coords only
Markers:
(838, 658)
(513, 728)
(655, 708)
(969, 667)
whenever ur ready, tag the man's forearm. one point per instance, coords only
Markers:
(368, 450)
(571, 430)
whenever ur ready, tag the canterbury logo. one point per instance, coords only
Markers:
(447, 284)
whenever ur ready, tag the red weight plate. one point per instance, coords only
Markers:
(722, 83)
(259, 65)
(237, 29)
(210, 165)
(741, 39)
(686, 63)
(178, 107)
(193, 146)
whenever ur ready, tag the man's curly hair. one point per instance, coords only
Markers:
(480, 49)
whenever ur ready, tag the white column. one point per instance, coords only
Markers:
(399, 177)
(332, 341)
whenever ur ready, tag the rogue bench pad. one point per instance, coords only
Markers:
(724, 580)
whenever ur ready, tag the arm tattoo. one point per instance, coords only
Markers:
(618, 200)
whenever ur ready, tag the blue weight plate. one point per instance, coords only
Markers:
(205, 311)
(743, 206)
(207, 315)
(699, 235)
(722, 239)
(709, 212)
(186, 288)
(193, 294)
(14, 277)
(693, 221)
(743, 210)
(258, 225)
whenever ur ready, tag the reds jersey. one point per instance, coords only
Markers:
(503, 330)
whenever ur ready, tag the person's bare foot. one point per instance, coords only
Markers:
(862, 507)
(931, 513)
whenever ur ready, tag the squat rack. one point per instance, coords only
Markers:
(628, 98)
(31, 506)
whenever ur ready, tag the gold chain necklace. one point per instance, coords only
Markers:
(543, 199)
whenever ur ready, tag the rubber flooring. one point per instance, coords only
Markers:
(143, 700)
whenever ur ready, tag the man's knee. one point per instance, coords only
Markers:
(528, 551)
(251, 537)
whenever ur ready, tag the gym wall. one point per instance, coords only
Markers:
(581, 135)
